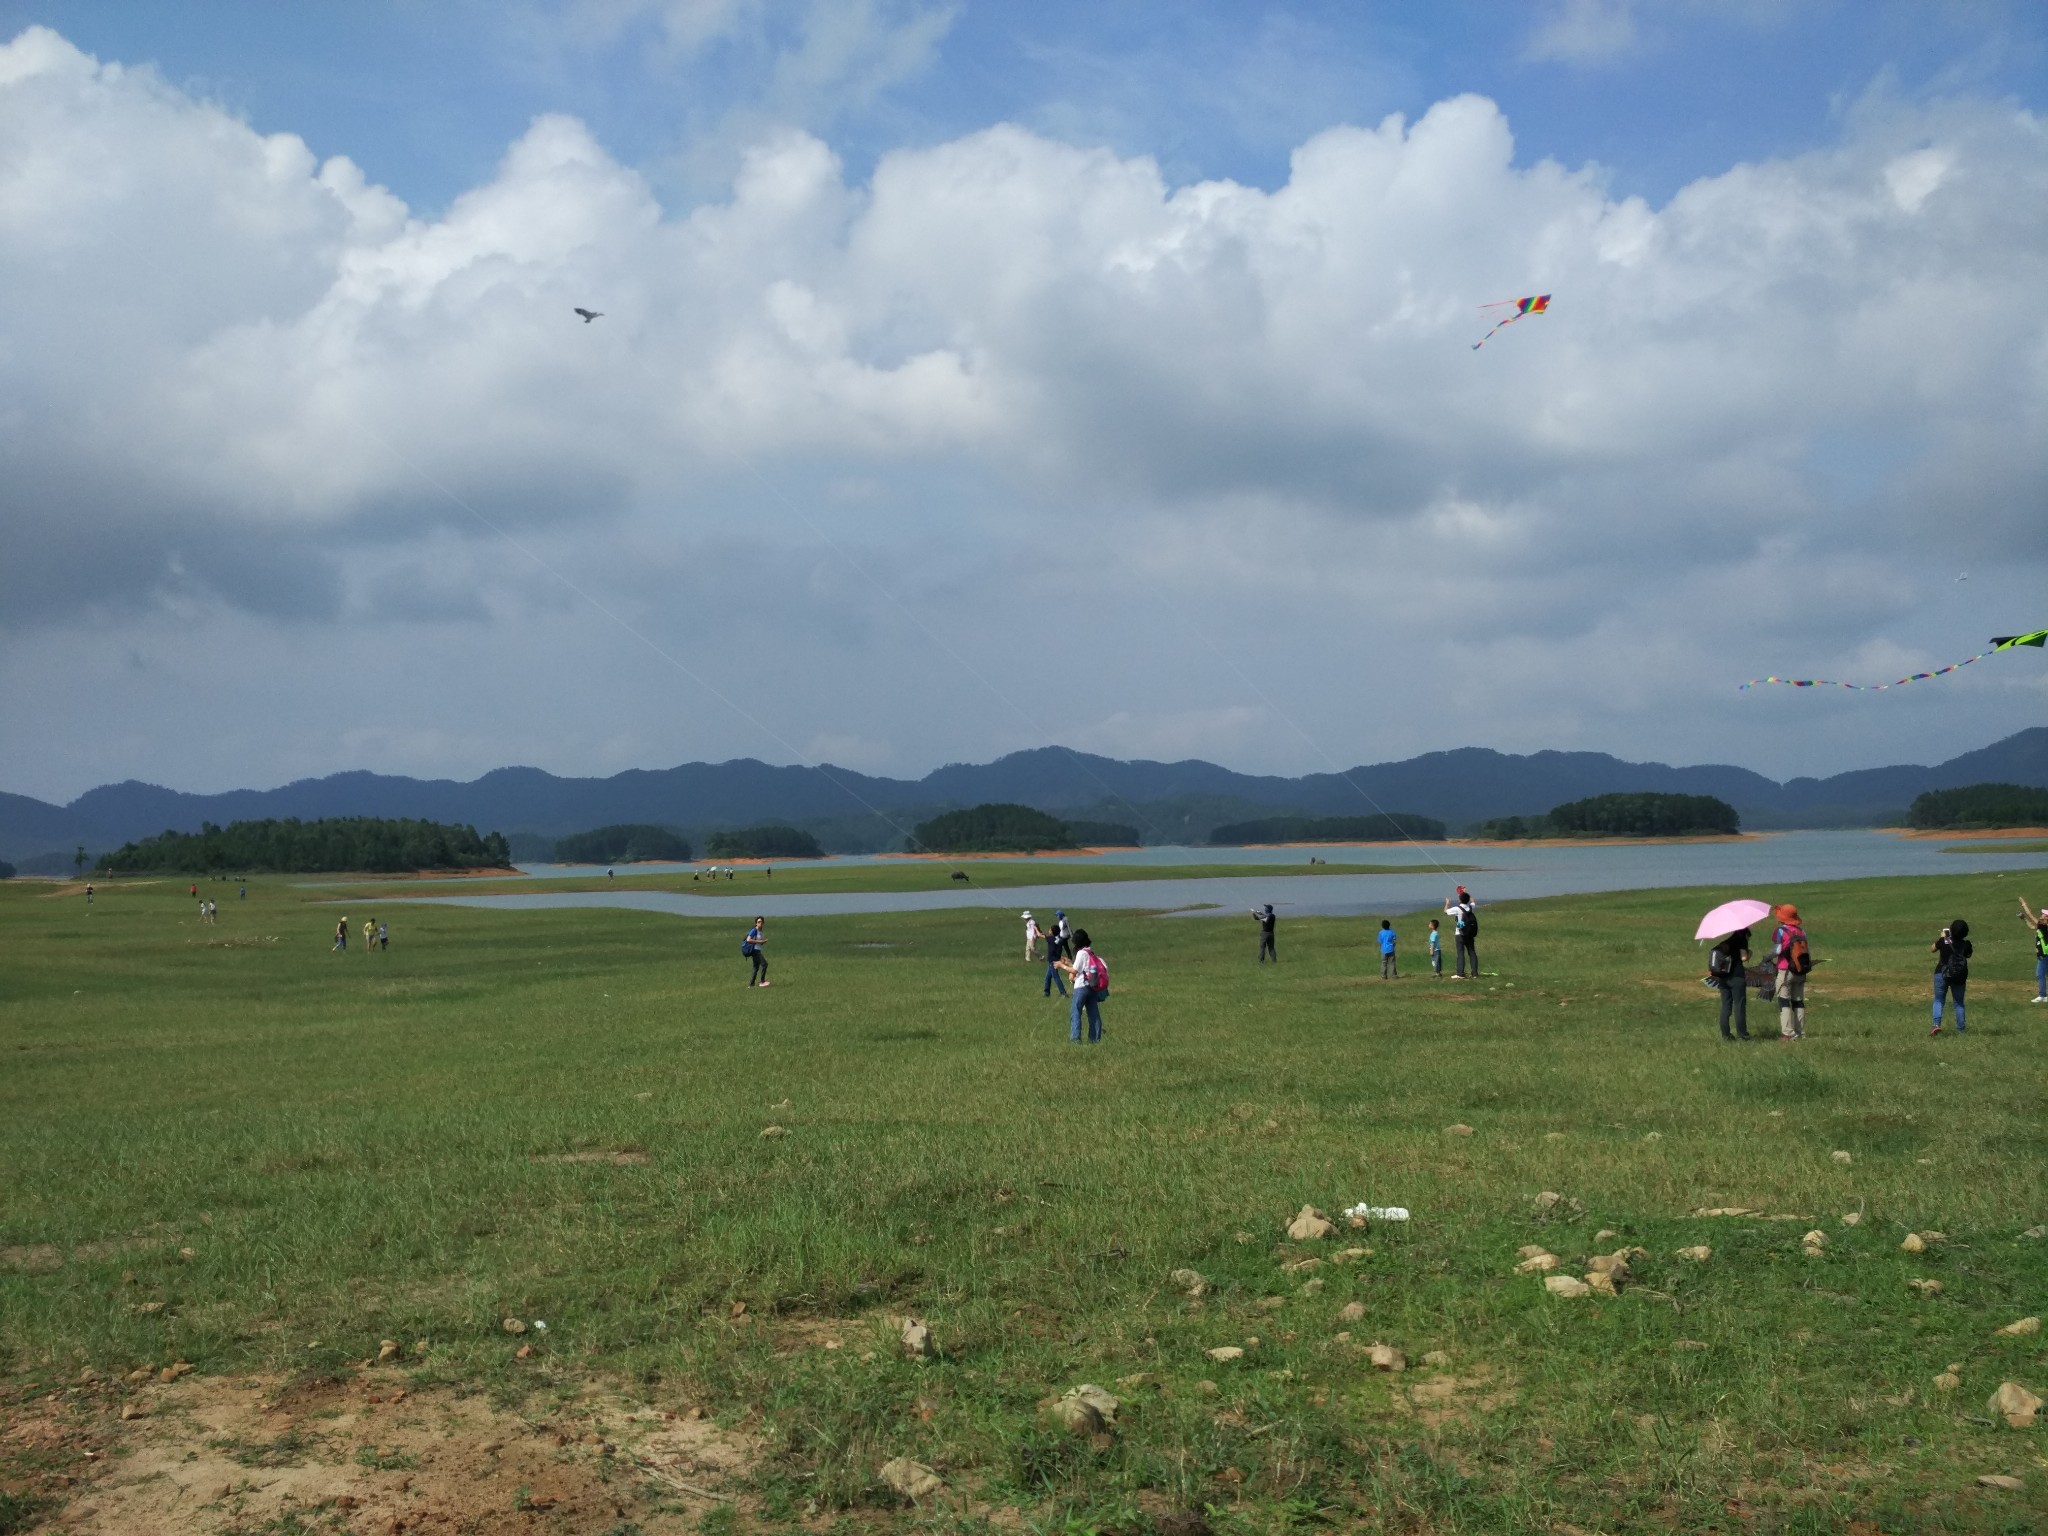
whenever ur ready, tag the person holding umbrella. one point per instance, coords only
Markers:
(1728, 963)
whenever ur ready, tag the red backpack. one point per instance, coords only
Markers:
(1098, 974)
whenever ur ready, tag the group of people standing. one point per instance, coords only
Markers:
(1791, 958)
(1461, 909)
(376, 935)
(1070, 957)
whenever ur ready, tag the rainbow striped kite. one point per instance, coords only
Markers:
(1535, 304)
(1998, 643)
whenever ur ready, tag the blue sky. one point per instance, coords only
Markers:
(975, 376)
(425, 97)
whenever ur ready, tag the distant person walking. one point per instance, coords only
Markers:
(383, 935)
(1389, 966)
(1267, 949)
(1436, 949)
(1054, 948)
(341, 936)
(1463, 912)
(1792, 958)
(1091, 985)
(1030, 937)
(88, 893)
(245, 892)
(1728, 969)
(755, 948)
(1952, 950)
(369, 934)
(2037, 921)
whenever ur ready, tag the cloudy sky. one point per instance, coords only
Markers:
(976, 375)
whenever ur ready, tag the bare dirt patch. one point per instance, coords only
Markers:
(234, 1456)
(627, 1158)
(1446, 1397)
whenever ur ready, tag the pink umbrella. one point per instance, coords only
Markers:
(1732, 917)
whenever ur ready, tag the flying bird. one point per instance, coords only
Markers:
(588, 314)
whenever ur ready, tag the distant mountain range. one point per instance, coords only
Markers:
(1169, 802)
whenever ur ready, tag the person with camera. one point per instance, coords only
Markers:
(1728, 969)
(2037, 930)
(1951, 970)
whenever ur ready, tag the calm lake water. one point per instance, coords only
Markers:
(1755, 867)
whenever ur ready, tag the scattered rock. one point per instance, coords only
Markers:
(2000, 1480)
(1913, 1243)
(917, 1340)
(1225, 1352)
(1385, 1357)
(1552, 1206)
(908, 1479)
(2025, 1328)
(149, 1308)
(2035, 1232)
(1209, 1388)
(2019, 1407)
(770, 1132)
(1852, 1218)
(1926, 1287)
(1346, 1255)
(1530, 1250)
(134, 1410)
(188, 1254)
(387, 1350)
(1437, 1359)
(1725, 1210)
(1309, 1225)
(1353, 1311)
(784, 1104)
(1311, 1287)
(1815, 1243)
(1932, 1237)
(1538, 1263)
(523, 1352)
(1841, 1157)
(139, 1375)
(1699, 1253)
(513, 1325)
(1565, 1285)
(1301, 1264)
(1087, 1410)
(1614, 1264)
(1947, 1381)
(1271, 1303)
(1189, 1281)
(1654, 1136)
(173, 1372)
(1687, 1344)
(1602, 1283)
(1457, 1130)
(419, 1346)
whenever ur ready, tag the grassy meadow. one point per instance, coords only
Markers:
(560, 1115)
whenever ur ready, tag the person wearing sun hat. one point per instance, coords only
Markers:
(1030, 935)
(1793, 958)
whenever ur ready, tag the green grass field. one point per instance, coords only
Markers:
(419, 1143)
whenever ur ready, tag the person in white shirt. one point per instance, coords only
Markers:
(1030, 937)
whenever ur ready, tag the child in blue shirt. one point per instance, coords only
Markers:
(1436, 951)
(1387, 966)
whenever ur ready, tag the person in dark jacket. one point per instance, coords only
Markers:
(1266, 920)
(1728, 968)
(1952, 951)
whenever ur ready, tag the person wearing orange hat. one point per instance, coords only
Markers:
(1793, 958)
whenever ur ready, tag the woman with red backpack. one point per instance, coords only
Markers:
(1793, 958)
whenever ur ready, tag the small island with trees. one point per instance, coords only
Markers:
(369, 844)
(764, 842)
(631, 843)
(1978, 807)
(1000, 828)
(1641, 814)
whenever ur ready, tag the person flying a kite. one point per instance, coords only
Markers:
(1535, 304)
(1999, 643)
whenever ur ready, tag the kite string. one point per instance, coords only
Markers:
(958, 660)
(691, 673)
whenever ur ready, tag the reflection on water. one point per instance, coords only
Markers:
(1753, 867)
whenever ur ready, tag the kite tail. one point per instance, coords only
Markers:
(1828, 682)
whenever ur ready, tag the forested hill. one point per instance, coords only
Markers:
(1459, 788)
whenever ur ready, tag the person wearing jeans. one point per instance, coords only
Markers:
(1951, 970)
(1054, 948)
(2037, 923)
(756, 949)
(1081, 968)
